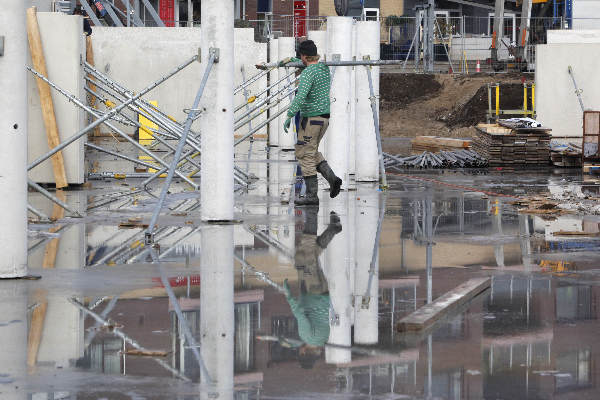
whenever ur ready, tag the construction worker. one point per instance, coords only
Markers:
(312, 101)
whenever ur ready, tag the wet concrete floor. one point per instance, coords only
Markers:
(303, 303)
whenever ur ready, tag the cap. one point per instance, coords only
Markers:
(308, 48)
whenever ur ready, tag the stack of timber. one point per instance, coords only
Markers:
(503, 146)
(565, 155)
(435, 144)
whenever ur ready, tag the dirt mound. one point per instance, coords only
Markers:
(399, 90)
(474, 110)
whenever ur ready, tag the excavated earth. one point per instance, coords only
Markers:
(442, 105)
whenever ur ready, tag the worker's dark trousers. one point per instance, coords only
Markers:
(310, 133)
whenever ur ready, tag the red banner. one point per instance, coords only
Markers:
(166, 10)
(300, 18)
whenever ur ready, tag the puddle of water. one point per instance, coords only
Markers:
(304, 303)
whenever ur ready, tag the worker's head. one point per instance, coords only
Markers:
(308, 355)
(308, 52)
(79, 11)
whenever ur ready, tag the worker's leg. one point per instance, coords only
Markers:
(335, 183)
(307, 155)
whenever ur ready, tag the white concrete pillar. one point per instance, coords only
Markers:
(320, 39)
(351, 156)
(339, 281)
(339, 41)
(216, 121)
(13, 336)
(366, 330)
(13, 152)
(366, 155)
(287, 229)
(274, 77)
(217, 309)
(287, 48)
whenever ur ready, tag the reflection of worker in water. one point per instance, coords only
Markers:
(311, 308)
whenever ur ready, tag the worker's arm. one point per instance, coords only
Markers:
(306, 82)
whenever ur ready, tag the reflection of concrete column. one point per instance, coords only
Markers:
(274, 202)
(217, 309)
(13, 336)
(13, 156)
(286, 233)
(525, 240)
(496, 210)
(367, 282)
(337, 272)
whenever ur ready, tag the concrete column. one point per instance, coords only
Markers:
(216, 121)
(13, 336)
(287, 48)
(339, 41)
(320, 39)
(351, 154)
(13, 152)
(366, 155)
(366, 330)
(338, 278)
(274, 77)
(217, 310)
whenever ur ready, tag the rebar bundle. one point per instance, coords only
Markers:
(442, 159)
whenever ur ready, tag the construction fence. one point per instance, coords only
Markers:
(460, 43)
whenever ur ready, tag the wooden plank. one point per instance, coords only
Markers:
(39, 64)
(36, 327)
(430, 313)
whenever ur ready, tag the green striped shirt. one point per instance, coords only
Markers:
(312, 313)
(312, 98)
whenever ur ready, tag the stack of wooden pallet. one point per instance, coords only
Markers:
(504, 146)
(435, 144)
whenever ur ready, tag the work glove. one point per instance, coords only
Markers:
(261, 66)
(285, 61)
(286, 125)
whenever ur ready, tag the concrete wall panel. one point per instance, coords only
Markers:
(63, 48)
(586, 14)
(556, 102)
(135, 57)
(572, 36)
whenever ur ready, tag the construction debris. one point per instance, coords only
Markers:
(565, 155)
(442, 159)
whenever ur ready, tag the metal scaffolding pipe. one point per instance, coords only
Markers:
(188, 124)
(259, 127)
(103, 119)
(77, 102)
(38, 213)
(54, 199)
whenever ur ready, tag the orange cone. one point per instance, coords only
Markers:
(478, 67)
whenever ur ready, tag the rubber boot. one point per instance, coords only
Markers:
(333, 229)
(312, 187)
(335, 183)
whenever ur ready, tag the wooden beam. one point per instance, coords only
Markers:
(52, 247)
(430, 313)
(39, 64)
(38, 316)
